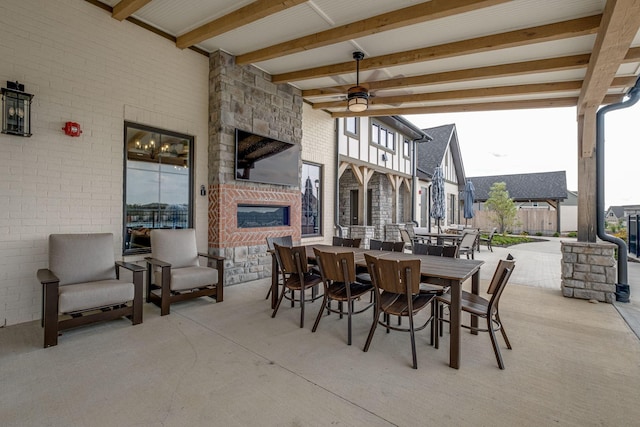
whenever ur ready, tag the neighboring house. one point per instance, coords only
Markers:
(375, 172)
(444, 151)
(537, 195)
(615, 214)
(569, 212)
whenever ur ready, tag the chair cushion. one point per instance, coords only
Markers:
(186, 278)
(81, 258)
(177, 247)
(101, 293)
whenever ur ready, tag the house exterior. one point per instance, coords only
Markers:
(444, 151)
(615, 214)
(537, 196)
(376, 174)
(569, 212)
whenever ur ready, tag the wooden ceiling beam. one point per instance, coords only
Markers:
(472, 107)
(426, 11)
(575, 85)
(494, 71)
(126, 8)
(620, 24)
(243, 16)
(523, 37)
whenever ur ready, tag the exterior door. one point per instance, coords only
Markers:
(353, 206)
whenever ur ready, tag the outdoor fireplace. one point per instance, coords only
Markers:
(251, 216)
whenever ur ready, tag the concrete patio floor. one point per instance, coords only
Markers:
(230, 364)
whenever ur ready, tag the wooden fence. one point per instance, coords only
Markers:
(532, 221)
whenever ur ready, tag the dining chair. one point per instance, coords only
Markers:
(397, 293)
(390, 246)
(82, 284)
(488, 240)
(174, 272)
(468, 243)
(375, 245)
(337, 241)
(338, 272)
(282, 241)
(406, 238)
(296, 276)
(481, 307)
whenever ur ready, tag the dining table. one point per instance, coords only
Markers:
(440, 238)
(451, 272)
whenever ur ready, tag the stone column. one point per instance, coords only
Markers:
(589, 271)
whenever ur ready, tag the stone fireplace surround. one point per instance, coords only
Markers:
(244, 97)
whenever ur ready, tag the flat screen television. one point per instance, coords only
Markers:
(264, 159)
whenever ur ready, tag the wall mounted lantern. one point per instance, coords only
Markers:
(16, 110)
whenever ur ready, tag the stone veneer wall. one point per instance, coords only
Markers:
(244, 97)
(589, 271)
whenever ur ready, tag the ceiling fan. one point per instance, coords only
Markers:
(357, 96)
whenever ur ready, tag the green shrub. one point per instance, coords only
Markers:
(572, 234)
(556, 234)
(539, 233)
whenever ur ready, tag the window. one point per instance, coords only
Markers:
(311, 186)
(452, 208)
(351, 126)
(407, 148)
(383, 136)
(158, 184)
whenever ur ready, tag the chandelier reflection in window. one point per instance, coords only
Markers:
(153, 147)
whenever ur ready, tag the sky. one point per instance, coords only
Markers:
(545, 140)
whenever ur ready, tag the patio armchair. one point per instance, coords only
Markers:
(174, 272)
(397, 293)
(82, 284)
(338, 272)
(481, 307)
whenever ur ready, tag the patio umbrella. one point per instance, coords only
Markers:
(469, 197)
(439, 206)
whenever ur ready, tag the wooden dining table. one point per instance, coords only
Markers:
(444, 271)
(440, 237)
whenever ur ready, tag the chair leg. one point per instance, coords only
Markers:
(280, 298)
(372, 330)
(302, 298)
(322, 307)
(504, 333)
(349, 312)
(494, 343)
(413, 342)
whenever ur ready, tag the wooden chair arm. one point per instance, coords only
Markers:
(46, 276)
(130, 266)
(157, 262)
(210, 256)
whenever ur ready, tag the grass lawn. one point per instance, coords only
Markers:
(504, 241)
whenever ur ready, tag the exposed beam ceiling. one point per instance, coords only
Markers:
(420, 56)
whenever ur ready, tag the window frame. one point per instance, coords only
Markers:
(319, 198)
(347, 132)
(190, 181)
(377, 133)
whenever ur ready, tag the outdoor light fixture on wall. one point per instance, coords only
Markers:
(16, 110)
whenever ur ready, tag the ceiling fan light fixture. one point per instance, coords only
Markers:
(357, 96)
(357, 99)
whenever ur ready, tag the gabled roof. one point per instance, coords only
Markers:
(618, 211)
(526, 186)
(431, 154)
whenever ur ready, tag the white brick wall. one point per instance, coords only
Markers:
(319, 146)
(86, 67)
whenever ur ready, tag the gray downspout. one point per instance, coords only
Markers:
(622, 287)
(336, 213)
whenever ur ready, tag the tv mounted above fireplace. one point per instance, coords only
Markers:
(268, 160)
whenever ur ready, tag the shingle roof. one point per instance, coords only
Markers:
(524, 187)
(618, 211)
(431, 153)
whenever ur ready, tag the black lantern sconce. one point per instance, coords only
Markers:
(16, 110)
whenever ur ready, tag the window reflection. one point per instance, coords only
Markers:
(158, 190)
(311, 201)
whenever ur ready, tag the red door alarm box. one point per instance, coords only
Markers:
(72, 129)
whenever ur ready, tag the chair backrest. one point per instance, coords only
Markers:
(80, 258)
(293, 259)
(398, 246)
(351, 243)
(450, 251)
(468, 239)
(336, 266)
(420, 248)
(388, 245)
(281, 240)
(337, 241)
(177, 247)
(435, 250)
(500, 277)
(375, 245)
(395, 276)
(404, 235)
